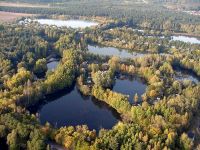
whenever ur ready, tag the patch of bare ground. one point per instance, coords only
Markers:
(6, 17)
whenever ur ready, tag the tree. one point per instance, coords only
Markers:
(94, 67)
(37, 140)
(18, 79)
(114, 62)
(136, 98)
(144, 97)
(103, 78)
(12, 140)
(2, 131)
(40, 66)
(64, 74)
(185, 142)
(152, 93)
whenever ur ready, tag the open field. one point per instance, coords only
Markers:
(9, 16)
(23, 5)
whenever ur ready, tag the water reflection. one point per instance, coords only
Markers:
(67, 23)
(71, 108)
(130, 86)
(191, 40)
(112, 51)
(52, 65)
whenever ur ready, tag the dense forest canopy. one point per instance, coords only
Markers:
(144, 15)
(160, 1)
(136, 10)
(161, 121)
(165, 116)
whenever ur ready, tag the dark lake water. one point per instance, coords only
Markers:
(112, 51)
(130, 87)
(71, 108)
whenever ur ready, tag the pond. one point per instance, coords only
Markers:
(183, 74)
(130, 86)
(67, 23)
(112, 51)
(71, 108)
(191, 40)
(52, 65)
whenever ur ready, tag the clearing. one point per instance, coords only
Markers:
(6, 17)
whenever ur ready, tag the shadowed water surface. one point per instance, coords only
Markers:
(71, 108)
(130, 86)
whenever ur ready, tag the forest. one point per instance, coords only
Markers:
(149, 16)
(163, 117)
(152, 125)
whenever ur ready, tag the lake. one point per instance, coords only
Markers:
(71, 108)
(112, 51)
(130, 86)
(67, 23)
(191, 40)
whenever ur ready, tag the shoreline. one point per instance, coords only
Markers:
(186, 34)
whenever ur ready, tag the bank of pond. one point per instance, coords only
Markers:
(70, 107)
